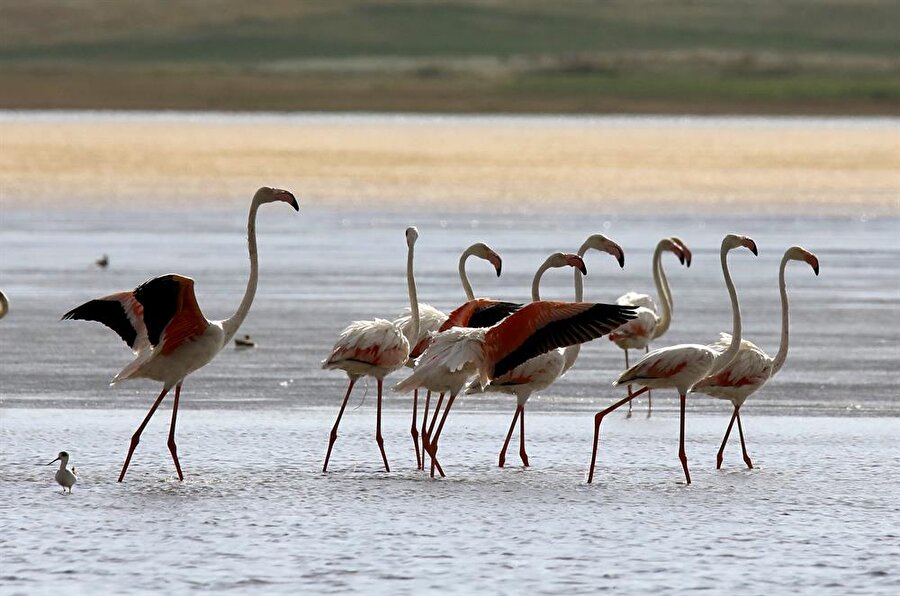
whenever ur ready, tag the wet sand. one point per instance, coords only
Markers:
(753, 165)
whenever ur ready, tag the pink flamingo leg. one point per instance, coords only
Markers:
(649, 393)
(437, 434)
(598, 418)
(429, 443)
(630, 392)
(333, 437)
(136, 437)
(414, 431)
(424, 429)
(681, 453)
(743, 446)
(522, 454)
(512, 427)
(378, 438)
(172, 448)
(721, 454)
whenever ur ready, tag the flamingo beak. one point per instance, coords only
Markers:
(813, 262)
(687, 256)
(496, 262)
(620, 256)
(577, 262)
(678, 253)
(749, 243)
(288, 198)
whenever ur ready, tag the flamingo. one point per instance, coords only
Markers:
(752, 368)
(542, 371)
(431, 320)
(456, 355)
(162, 323)
(375, 348)
(683, 365)
(649, 325)
(64, 477)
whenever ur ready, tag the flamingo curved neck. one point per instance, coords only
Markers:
(662, 289)
(536, 282)
(783, 348)
(463, 277)
(413, 330)
(231, 325)
(725, 358)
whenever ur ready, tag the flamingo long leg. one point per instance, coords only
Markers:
(333, 437)
(136, 437)
(512, 427)
(414, 431)
(437, 434)
(424, 429)
(627, 366)
(378, 438)
(430, 443)
(721, 454)
(743, 446)
(598, 418)
(681, 453)
(172, 448)
(522, 454)
(649, 393)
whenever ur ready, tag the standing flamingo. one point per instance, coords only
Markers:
(648, 325)
(752, 368)
(375, 348)
(454, 356)
(683, 365)
(542, 371)
(162, 323)
(431, 319)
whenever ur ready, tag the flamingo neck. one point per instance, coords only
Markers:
(536, 282)
(725, 358)
(231, 325)
(783, 348)
(662, 290)
(412, 334)
(571, 352)
(463, 277)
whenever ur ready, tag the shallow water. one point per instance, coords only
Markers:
(819, 513)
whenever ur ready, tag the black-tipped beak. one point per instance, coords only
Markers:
(687, 258)
(499, 267)
(752, 248)
(293, 203)
(53, 462)
(621, 258)
(815, 265)
(583, 268)
(680, 256)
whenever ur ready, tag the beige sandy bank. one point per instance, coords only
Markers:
(793, 165)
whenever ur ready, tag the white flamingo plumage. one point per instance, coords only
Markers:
(375, 348)
(752, 367)
(163, 325)
(683, 365)
(651, 323)
(456, 355)
(431, 320)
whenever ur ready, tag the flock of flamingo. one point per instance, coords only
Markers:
(483, 345)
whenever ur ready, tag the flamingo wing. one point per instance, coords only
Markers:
(453, 356)
(542, 326)
(121, 312)
(480, 312)
(637, 299)
(171, 313)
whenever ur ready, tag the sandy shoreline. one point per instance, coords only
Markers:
(753, 165)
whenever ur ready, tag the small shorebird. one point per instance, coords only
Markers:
(244, 342)
(64, 477)
(103, 262)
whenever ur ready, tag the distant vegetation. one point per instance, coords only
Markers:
(704, 56)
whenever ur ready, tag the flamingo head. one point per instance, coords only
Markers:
(270, 195)
(735, 240)
(670, 245)
(483, 251)
(798, 253)
(603, 244)
(684, 249)
(565, 259)
(64, 456)
(412, 234)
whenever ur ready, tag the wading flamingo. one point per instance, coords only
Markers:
(539, 373)
(649, 325)
(375, 348)
(752, 368)
(456, 355)
(431, 319)
(162, 323)
(683, 365)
